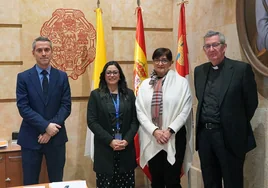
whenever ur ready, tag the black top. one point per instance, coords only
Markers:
(210, 112)
(101, 120)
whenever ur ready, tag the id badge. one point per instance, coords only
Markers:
(118, 136)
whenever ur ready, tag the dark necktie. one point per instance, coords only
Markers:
(45, 83)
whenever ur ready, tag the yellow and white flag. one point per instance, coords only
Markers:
(100, 61)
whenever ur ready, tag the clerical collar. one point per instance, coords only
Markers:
(219, 66)
(215, 67)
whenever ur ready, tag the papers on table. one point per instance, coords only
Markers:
(69, 184)
(3, 143)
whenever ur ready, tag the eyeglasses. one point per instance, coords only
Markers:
(213, 45)
(158, 61)
(40, 50)
(108, 73)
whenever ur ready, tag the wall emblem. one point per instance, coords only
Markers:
(73, 39)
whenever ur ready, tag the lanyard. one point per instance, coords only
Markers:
(116, 106)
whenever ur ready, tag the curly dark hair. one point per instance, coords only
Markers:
(122, 84)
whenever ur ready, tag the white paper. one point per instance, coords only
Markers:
(69, 184)
(3, 143)
(36, 187)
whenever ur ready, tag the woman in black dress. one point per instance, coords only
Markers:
(111, 116)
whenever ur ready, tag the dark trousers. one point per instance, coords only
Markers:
(217, 162)
(163, 173)
(32, 160)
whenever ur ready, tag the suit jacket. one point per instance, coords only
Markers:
(37, 112)
(99, 123)
(238, 101)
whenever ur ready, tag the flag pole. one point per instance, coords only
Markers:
(140, 73)
(99, 63)
(138, 3)
(189, 171)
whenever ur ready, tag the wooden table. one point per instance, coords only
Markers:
(11, 147)
(11, 167)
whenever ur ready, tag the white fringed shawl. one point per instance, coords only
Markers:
(177, 104)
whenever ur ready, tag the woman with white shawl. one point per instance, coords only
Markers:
(163, 105)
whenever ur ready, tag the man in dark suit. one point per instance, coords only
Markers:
(227, 99)
(44, 103)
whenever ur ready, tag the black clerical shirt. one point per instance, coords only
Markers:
(210, 111)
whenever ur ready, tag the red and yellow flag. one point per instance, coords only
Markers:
(140, 60)
(182, 67)
(140, 73)
(182, 64)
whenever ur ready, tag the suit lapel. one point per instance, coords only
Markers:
(126, 105)
(226, 79)
(53, 79)
(34, 78)
(104, 99)
(203, 80)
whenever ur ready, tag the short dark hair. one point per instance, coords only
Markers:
(45, 39)
(122, 84)
(162, 51)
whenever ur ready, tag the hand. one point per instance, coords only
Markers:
(43, 139)
(166, 135)
(52, 129)
(158, 135)
(161, 136)
(121, 145)
(124, 143)
(118, 145)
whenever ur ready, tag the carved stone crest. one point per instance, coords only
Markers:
(73, 39)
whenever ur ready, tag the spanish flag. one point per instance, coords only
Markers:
(140, 60)
(100, 61)
(140, 73)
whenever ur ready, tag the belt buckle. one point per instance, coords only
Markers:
(206, 125)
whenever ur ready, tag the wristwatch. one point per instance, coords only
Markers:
(171, 131)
